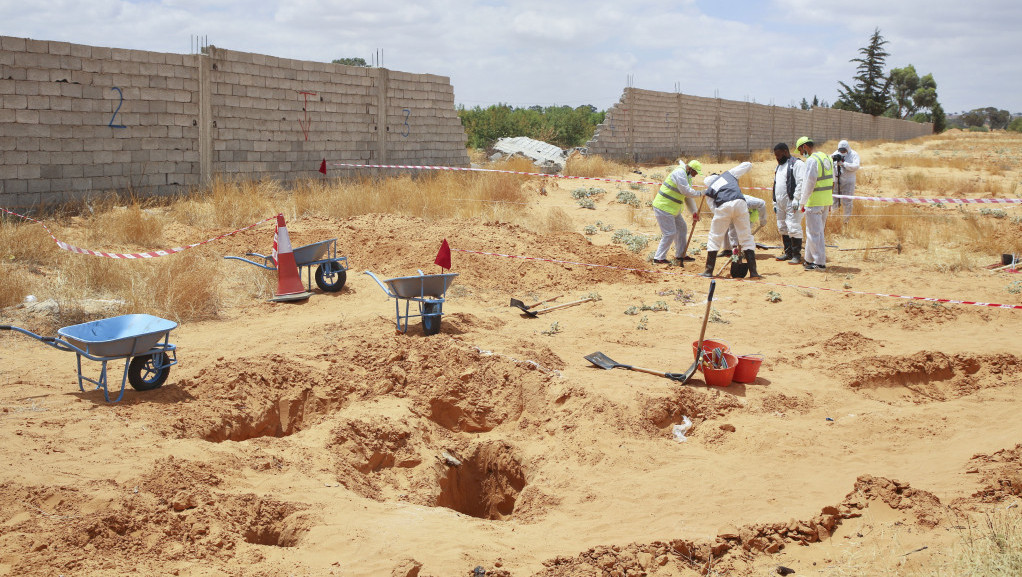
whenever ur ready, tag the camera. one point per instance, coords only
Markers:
(838, 157)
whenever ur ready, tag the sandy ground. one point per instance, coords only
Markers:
(313, 439)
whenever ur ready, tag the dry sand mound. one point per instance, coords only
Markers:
(313, 439)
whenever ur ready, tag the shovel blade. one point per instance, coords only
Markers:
(519, 304)
(603, 361)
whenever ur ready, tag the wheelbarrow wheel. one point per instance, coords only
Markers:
(430, 318)
(148, 372)
(330, 276)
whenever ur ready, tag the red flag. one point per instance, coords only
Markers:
(322, 166)
(443, 257)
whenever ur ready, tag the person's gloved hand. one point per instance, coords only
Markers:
(802, 208)
(695, 217)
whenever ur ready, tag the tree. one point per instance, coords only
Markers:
(1016, 125)
(975, 117)
(938, 118)
(870, 93)
(904, 83)
(351, 62)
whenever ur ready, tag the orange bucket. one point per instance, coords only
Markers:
(708, 346)
(748, 368)
(719, 377)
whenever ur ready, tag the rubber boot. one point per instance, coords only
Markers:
(725, 252)
(787, 248)
(711, 261)
(796, 251)
(750, 258)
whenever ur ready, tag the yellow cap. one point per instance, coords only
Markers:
(696, 166)
(803, 140)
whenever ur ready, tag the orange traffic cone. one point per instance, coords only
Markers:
(289, 281)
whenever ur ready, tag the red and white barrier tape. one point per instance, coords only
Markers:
(934, 200)
(150, 254)
(875, 198)
(758, 282)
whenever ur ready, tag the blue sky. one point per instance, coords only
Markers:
(573, 52)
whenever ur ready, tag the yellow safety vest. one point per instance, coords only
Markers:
(670, 199)
(824, 190)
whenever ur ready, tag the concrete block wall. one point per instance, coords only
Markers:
(647, 125)
(77, 121)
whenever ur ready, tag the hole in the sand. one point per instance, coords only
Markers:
(486, 484)
(279, 532)
(279, 418)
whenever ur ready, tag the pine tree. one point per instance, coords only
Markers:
(870, 94)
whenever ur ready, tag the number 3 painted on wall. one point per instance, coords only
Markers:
(407, 129)
(111, 123)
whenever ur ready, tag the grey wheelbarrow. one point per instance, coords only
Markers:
(331, 270)
(427, 290)
(134, 338)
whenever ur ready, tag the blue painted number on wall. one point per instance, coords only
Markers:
(407, 129)
(114, 117)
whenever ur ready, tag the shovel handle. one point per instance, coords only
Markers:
(545, 301)
(648, 371)
(684, 251)
(548, 309)
(706, 316)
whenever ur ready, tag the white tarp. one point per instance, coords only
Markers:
(543, 154)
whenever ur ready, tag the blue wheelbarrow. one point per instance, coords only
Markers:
(427, 290)
(134, 338)
(331, 270)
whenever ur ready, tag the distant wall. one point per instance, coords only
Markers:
(647, 125)
(78, 120)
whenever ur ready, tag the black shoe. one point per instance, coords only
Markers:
(659, 261)
(810, 266)
(711, 261)
(786, 255)
(750, 258)
(796, 251)
(688, 258)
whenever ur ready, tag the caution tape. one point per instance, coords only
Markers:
(875, 198)
(137, 255)
(758, 282)
(934, 200)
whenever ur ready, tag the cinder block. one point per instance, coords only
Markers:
(14, 187)
(28, 171)
(37, 46)
(10, 43)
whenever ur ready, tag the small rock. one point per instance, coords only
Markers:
(406, 568)
(727, 427)
(183, 500)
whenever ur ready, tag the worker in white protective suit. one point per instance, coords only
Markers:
(729, 208)
(787, 178)
(815, 197)
(757, 210)
(676, 190)
(846, 164)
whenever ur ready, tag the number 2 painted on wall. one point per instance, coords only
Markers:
(407, 128)
(111, 123)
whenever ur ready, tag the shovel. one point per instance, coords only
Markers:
(525, 307)
(709, 299)
(604, 362)
(684, 251)
(548, 309)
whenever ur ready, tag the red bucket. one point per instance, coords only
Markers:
(748, 368)
(719, 377)
(708, 346)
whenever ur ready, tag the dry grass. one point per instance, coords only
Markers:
(15, 284)
(186, 287)
(592, 166)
